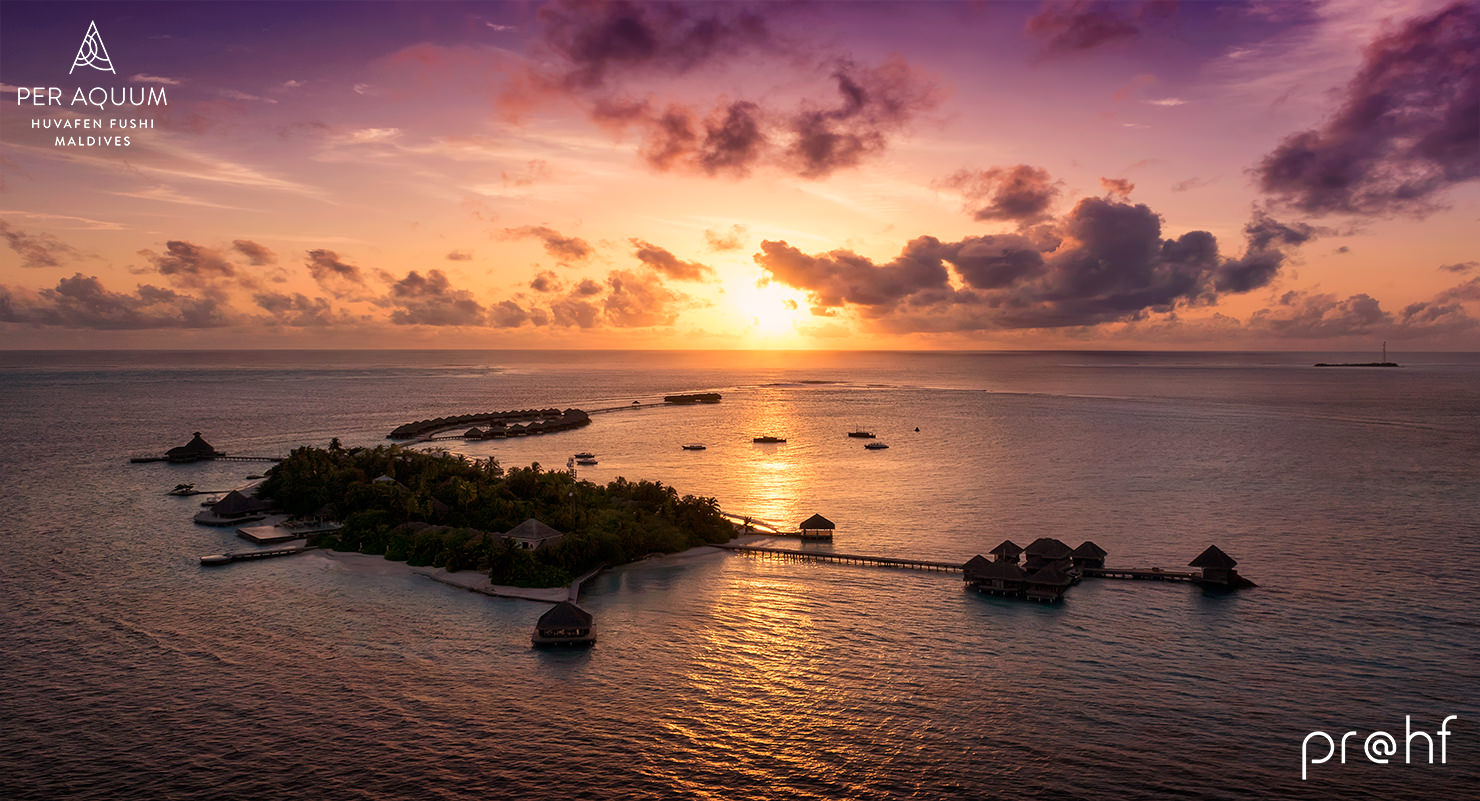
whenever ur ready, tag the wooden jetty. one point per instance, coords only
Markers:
(843, 558)
(1142, 574)
(239, 556)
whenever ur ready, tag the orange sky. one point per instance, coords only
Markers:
(588, 175)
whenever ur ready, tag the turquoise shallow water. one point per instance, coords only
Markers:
(1349, 495)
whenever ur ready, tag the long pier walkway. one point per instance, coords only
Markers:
(843, 558)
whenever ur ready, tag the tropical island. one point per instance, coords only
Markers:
(448, 511)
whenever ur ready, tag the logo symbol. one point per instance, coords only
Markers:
(92, 52)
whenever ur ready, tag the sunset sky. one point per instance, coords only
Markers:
(1154, 174)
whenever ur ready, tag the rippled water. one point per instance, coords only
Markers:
(1349, 495)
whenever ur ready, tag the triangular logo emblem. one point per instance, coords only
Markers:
(92, 53)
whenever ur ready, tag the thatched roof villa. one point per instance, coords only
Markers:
(1045, 551)
(817, 527)
(532, 535)
(1008, 551)
(1088, 554)
(565, 624)
(196, 448)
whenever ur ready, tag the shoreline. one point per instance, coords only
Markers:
(365, 564)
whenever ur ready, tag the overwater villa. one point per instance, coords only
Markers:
(1045, 551)
(234, 509)
(817, 527)
(531, 535)
(1088, 554)
(1217, 569)
(565, 624)
(1048, 584)
(197, 448)
(995, 577)
(1008, 551)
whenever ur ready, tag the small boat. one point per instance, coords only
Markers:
(694, 446)
(585, 455)
(215, 559)
(876, 446)
(859, 433)
(255, 477)
(769, 440)
(182, 489)
(588, 461)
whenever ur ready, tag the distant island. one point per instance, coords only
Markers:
(524, 527)
(1358, 364)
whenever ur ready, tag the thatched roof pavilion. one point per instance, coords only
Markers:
(1008, 551)
(1217, 568)
(817, 526)
(235, 504)
(1214, 557)
(1088, 554)
(1048, 584)
(196, 448)
(975, 566)
(532, 535)
(564, 624)
(1044, 551)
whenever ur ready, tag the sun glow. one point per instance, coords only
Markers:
(769, 311)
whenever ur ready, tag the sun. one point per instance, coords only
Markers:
(770, 311)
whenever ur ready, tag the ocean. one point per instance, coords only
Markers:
(1348, 495)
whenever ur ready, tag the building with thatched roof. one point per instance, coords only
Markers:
(196, 448)
(1008, 551)
(1045, 551)
(1048, 584)
(974, 567)
(1088, 554)
(473, 433)
(565, 624)
(1217, 566)
(817, 527)
(532, 535)
(996, 577)
(233, 509)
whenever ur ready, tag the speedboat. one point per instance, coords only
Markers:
(769, 439)
(589, 460)
(585, 455)
(694, 446)
(876, 446)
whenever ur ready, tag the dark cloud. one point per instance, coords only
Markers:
(602, 41)
(37, 250)
(82, 302)
(297, 309)
(1460, 267)
(1267, 240)
(733, 239)
(1068, 26)
(586, 288)
(545, 281)
(333, 273)
(1104, 261)
(564, 248)
(1405, 131)
(190, 264)
(599, 47)
(1021, 193)
(844, 277)
(432, 300)
(640, 300)
(662, 261)
(874, 102)
(1117, 187)
(1300, 315)
(257, 255)
(460, 255)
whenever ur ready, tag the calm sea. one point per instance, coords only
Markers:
(1350, 496)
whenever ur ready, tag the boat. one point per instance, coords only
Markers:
(694, 446)
(768, 439)
(182, 489)
(588, 461)
(215, 559)
(585, 455)
(859, 433)
(876, 446)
